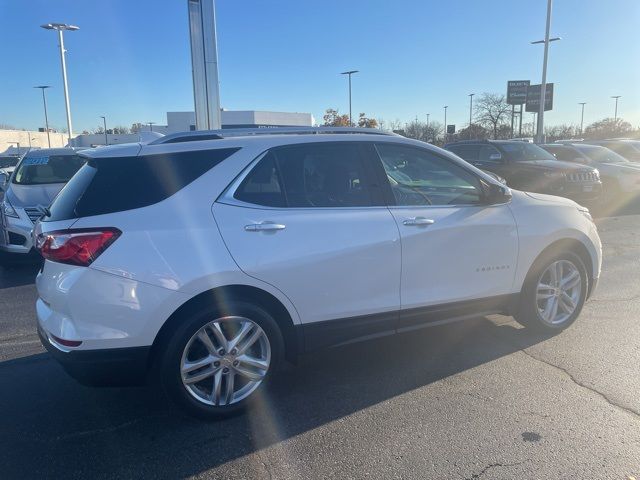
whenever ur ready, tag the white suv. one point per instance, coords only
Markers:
(210, 257)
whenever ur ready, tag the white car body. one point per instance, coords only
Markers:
(329, 267)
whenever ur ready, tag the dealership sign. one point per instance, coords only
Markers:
(451, 129)
(533, 98)
(517, 91)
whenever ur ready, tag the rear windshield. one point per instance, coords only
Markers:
(114, 184)
(525, 152)
(43, 169)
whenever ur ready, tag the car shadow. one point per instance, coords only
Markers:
(18, 275)
(53, 427)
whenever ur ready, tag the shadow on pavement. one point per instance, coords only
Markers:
(53, 427)
(19, 275)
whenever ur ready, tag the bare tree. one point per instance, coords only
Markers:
(473, 132)
(608, 128)
(492, 110)
(561, 132)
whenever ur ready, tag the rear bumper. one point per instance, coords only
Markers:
(107, 367)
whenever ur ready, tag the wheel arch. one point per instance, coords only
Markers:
(569, 245)
(218, 296)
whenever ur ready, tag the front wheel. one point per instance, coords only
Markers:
(217, 360)
(554, 293)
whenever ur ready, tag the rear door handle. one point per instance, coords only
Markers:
(264, 227)
(418, 221)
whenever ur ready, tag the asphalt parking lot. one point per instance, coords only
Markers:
(480, 399)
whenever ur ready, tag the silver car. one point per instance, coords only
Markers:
(35, 182)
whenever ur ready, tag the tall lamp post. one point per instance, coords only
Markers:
(615, 116)
(582, 117)
(61, 27)
(104, 122)
(543, 84)
(470, 111)
(46, 118)
(445, 122)
(349, 73)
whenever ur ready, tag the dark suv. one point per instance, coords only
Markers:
(526, 166)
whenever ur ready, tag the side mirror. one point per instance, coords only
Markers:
(498, 194)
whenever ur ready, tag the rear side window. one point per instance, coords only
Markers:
(307, 176)
(470, 153)
(114, 184)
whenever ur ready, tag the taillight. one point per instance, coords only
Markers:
(76, 247)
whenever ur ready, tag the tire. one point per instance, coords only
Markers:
(532, 311)
(187, 348)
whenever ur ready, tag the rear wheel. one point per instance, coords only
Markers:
(219, 359)
(554, 292)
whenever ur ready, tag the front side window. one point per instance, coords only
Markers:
(419, 177)
(42, 169)
(308, 176)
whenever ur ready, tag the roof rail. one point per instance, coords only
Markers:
(247, 132)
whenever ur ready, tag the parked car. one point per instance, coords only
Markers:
(629, 149)
(7, 166)
(209, 257)
(528, 167)
(37, 179)
(619, 176)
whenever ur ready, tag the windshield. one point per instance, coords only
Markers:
(43, 169)
(602, 155)
(9, 161)
(525, 152)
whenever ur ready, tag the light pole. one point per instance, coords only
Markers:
(104, 121)
(46, 118)
(60, 27)
(470, 111)
(543, 84)
(151, 124)
(428, 114)
(582, 116)
(615, 117)
(445, 122)
(349, 73)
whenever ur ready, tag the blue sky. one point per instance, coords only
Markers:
(130, 60)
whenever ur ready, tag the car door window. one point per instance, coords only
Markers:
(420, 177)
(490, 154)
(307, 176)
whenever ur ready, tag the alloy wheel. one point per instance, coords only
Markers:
(225, 361)
(558, 292)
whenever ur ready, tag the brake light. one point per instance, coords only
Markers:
(76, 247)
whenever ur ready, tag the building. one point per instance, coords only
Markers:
(185, 121)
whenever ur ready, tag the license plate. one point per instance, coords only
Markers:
(587, 188)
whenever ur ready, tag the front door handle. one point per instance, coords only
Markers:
(418, 221)
(264, 227)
